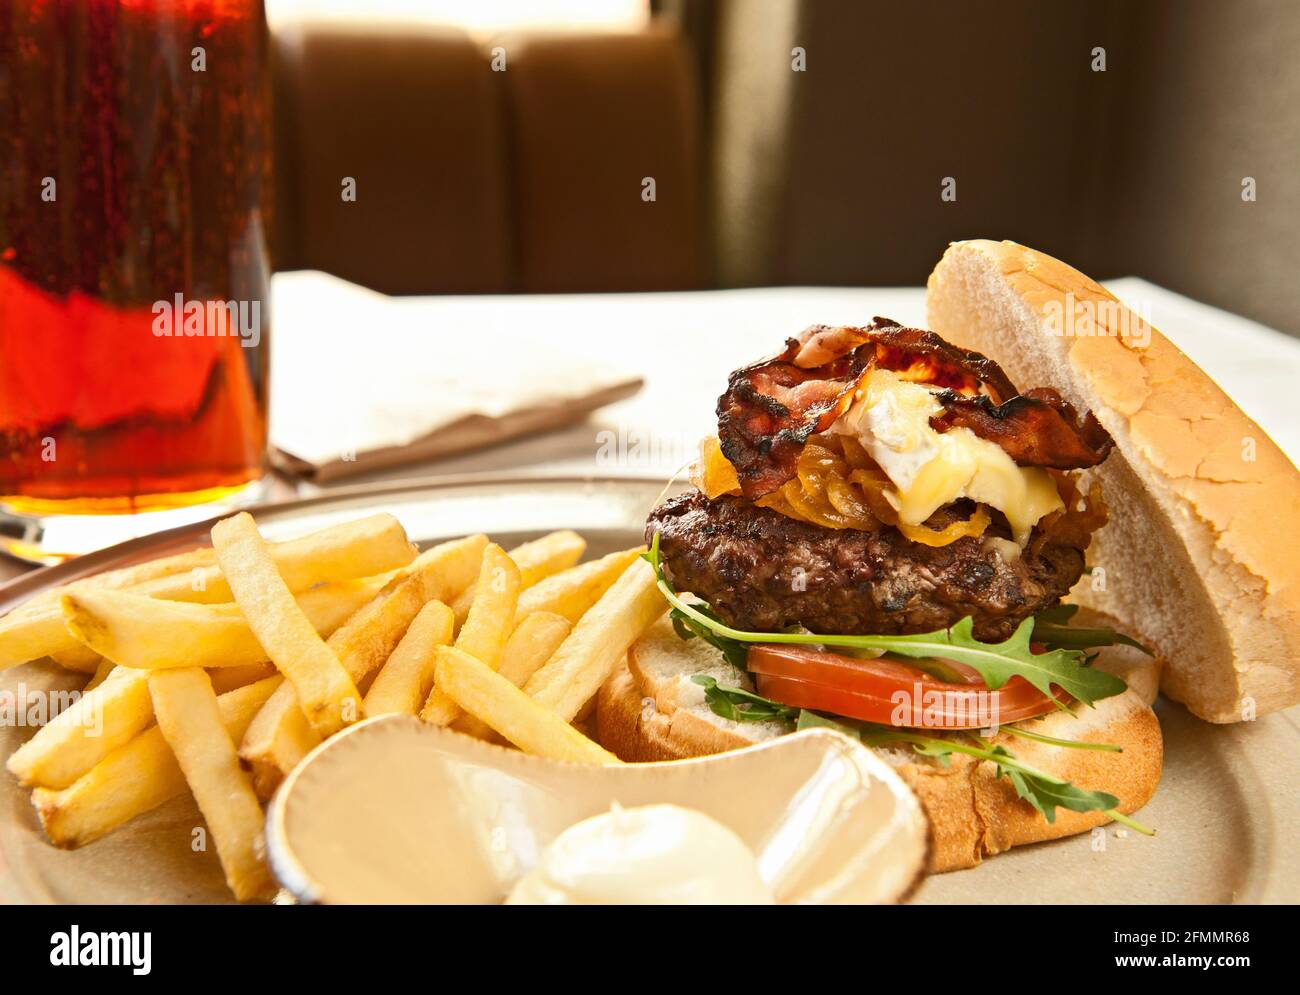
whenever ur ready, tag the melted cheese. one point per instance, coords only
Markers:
(929, 469)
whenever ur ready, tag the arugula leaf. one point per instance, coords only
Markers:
(1060, 615)
(688, 628)
(1053, 628)
(740, 705)
(815, 720)
(996, 663)
(1043, 791)
(1076, 637)
(1073, 744)
(1047, 793)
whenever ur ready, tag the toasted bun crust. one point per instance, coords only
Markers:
(1198, 555)
(650, 710)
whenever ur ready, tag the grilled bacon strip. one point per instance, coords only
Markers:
(1036, 428)
(771, 408)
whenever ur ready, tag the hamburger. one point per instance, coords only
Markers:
(981, 548)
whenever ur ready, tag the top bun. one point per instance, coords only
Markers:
(1198, 555)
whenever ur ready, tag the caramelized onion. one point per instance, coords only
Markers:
(1077, 521)
(974, 526)
(837, 485)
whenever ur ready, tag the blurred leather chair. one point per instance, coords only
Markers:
(600, 123)
(473, 180)
(413, 115)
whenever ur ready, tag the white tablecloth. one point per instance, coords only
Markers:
(685, 344)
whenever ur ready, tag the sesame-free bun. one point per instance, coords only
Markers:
(651, 710)
(1199, 554)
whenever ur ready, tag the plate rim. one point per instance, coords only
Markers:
(22, 587)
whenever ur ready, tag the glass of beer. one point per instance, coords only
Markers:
(134, 203)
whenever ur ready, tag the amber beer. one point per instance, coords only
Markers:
(133, 261)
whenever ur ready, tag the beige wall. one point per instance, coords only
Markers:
(1217, 99)
(833, 175)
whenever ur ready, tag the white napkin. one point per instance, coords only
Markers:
(361, 381)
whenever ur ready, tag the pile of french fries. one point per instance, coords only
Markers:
(217, 671)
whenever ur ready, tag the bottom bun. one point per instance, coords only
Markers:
(651, 710)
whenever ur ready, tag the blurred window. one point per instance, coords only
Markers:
(476, 16)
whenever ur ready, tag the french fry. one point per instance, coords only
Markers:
(325, 690)
(81, 659)
(484, 634)
(536, 561)
(226, 679)
(137, 631)
(100, 675)
(492, 699)
(190, 720)
(112, 712)
(273, 751)
(120, 579)
(85, 732)
(572, 592)
(135, 778)
(404, 682)
(529, 646)
(31, 635)
(362, 548)
(496, 593)
(533, 639)
(585, 659)
(533, 642)
(280, 736)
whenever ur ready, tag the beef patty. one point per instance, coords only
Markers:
(763, 571)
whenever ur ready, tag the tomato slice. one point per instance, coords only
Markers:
(888, 692)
